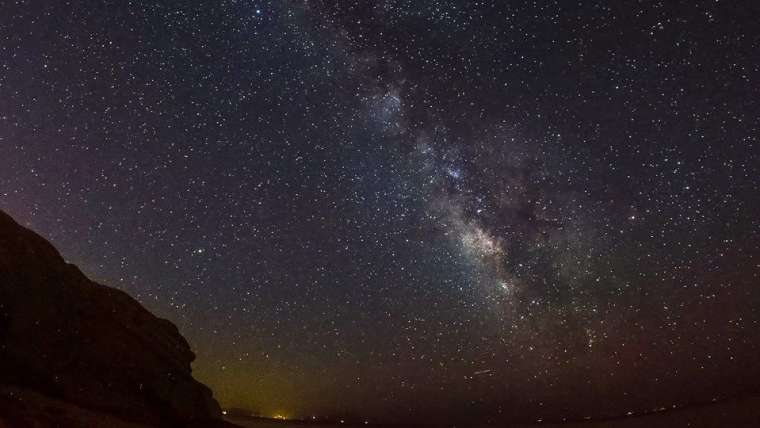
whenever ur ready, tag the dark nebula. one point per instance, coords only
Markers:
(407, 210)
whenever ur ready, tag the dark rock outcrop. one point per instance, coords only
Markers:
(69, 341)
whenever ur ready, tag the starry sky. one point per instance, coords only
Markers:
(407, 210)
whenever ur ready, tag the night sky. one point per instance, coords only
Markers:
(407, 210)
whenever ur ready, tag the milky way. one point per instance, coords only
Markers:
(407, 210)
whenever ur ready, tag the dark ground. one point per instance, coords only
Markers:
(742, 412)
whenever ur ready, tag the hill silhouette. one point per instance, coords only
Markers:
(77, 353)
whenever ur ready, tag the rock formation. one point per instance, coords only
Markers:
(72, 350)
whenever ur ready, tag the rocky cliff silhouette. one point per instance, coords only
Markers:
(77, 353)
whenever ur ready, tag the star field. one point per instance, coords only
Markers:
(407, 210)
